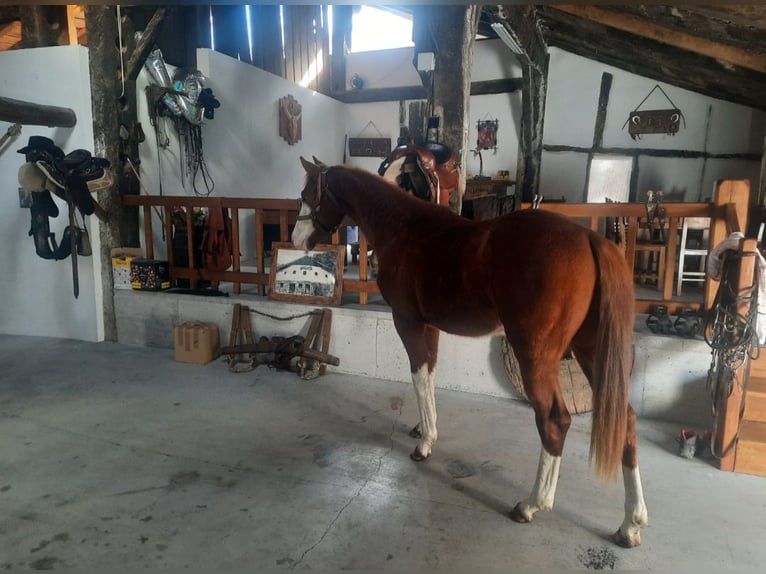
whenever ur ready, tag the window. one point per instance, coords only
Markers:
(376, 29)
(609, 178)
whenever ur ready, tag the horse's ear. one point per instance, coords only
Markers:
(318, 162)
(308, 166)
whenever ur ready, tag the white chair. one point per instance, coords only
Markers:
(695, 245)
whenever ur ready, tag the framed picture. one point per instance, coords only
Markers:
(314, 277)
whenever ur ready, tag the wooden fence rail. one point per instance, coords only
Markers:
(727, 213)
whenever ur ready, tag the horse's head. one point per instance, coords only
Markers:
(320, 213)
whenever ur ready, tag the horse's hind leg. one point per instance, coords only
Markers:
(636, 516)
(552, 417)
(422, 343)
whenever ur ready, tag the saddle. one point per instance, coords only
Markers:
(427, 171)
(71, 177)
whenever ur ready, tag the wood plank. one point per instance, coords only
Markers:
(652, 59)
(30, 114)
(755, 400)
(751, 449)
(646, 29)
(670, 258)
(758, 365)
(235, 253)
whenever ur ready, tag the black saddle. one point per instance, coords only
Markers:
(70, 175)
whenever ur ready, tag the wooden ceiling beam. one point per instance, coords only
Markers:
(641, 27)
(652, 59)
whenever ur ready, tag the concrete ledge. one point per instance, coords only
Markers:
(669, 372)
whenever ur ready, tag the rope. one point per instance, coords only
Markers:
(733, 338)
(290, 318)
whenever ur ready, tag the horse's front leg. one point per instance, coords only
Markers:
(422, 343)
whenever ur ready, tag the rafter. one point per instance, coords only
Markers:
(640, 27)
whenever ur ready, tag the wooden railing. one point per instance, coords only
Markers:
(727, 213)
(282, 212)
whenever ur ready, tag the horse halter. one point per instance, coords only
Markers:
(322, 191)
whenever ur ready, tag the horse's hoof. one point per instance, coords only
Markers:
(626, 541)
(418, 456)
(518, 516)
(415, 432)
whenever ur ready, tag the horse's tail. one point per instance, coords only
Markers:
(613, 358)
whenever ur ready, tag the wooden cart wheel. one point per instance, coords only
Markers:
(574, 384)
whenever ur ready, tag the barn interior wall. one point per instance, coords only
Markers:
(242, 149)
(246, 157)
(712, 126)
(37, 296)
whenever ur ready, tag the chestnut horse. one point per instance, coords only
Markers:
(544, 281)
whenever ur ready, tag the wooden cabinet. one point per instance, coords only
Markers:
(484, 198)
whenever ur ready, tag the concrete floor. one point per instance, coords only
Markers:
(116, 456)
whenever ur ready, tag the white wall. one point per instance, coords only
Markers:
(394, 68)
(247, 158)
(712, 125)
(37, 296)
(243, 151)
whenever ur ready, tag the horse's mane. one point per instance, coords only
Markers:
(386, 198)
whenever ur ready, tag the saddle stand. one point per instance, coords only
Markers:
(240, 324)
(281, 352)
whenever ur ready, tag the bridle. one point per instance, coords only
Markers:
(322, 191)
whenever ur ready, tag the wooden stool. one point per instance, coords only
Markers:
(650, 264)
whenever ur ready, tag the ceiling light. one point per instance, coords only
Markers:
(506, 37)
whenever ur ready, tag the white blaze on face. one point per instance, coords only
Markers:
(304, 228)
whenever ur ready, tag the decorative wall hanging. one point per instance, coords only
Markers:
(665, 121)
(487, 134)
(369, 147)
(290, 112)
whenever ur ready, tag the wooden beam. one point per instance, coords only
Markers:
(654, 60)
(144, 45)
(652, 152)
(72, 12)
(341, 40)
(531, 137)
(520, 22)
(454, 35)
(381, 95)
(504, 86)
(603, 104)
(27, 113)
(646, 29)
(42, 26)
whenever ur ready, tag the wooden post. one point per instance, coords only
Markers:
(455, 27)
(531, 51)
(43, 26)
(729, 408)
(736, 192)
(122, 228)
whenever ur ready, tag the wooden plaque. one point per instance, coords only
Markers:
(369, 147)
